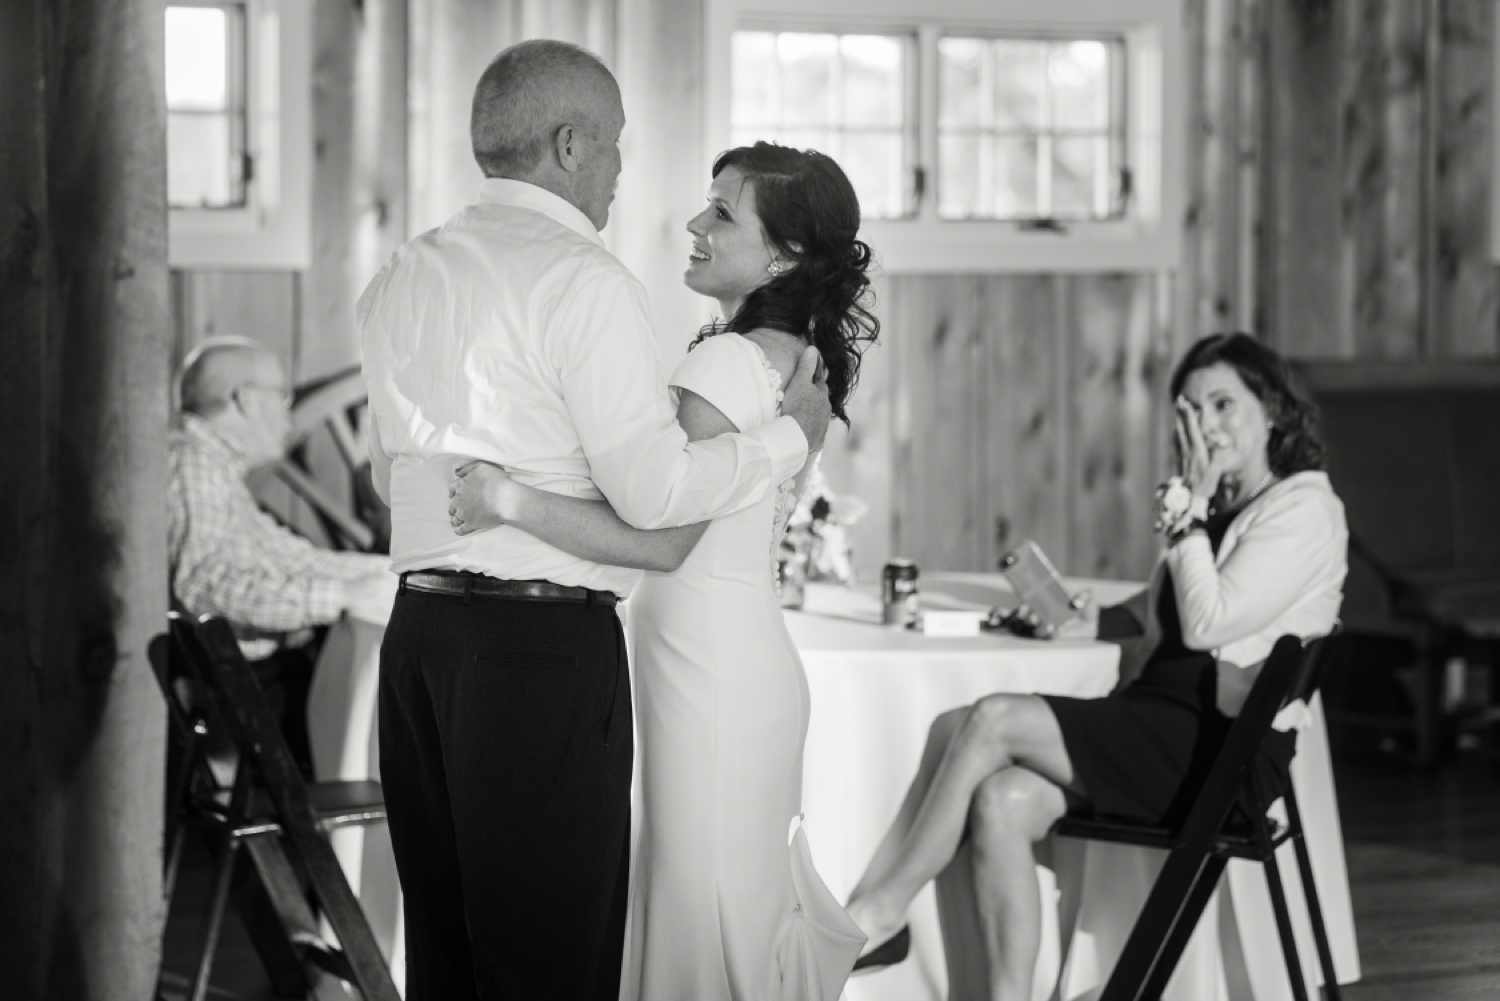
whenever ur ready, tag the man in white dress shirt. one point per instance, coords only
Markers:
(511, 335)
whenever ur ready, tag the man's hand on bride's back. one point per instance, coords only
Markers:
(805, 399)
(480, 496)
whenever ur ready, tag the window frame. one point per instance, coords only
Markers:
(1147, 238)
(272, 230)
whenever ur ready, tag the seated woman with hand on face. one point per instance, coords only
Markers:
(1256, 549)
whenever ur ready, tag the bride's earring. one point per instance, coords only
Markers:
(777, 267)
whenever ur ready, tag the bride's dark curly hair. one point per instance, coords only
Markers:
(811, 216)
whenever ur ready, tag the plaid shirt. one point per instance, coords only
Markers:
(230, 558)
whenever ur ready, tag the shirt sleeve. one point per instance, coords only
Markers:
(717, 370)
(639, 457)
(236, 562)
(1274, 563)
(380, 462)
(298, 556)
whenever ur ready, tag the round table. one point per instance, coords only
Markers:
(875, 690)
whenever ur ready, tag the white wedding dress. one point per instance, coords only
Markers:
(725, 902)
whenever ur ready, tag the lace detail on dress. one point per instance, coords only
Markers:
(786, 491)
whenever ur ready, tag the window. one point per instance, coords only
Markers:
(1031, 129)
(238, 132)
(845, 95)
(1035, 135)
(208, 165)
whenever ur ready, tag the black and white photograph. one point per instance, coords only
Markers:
(750, 500)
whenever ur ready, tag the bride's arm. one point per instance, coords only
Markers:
(484, 496)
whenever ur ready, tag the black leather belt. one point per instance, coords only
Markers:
(478, 585)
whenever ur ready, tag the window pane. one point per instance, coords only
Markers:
(806, 77)
(1015, 174)
(819, 139)
(843, 95)
(874, 164)
(872, 80)
(206, 117)
(1047, 127)
(960, 65)
(198, 161)
(197, 58)
(958, 176)
(1079, 167)
(754, 74)
(1079, 74)
(1019, 69)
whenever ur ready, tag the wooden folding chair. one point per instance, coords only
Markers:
(338, 405)
(1201, 847)
(266, 808)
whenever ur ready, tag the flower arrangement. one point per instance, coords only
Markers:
(816, 545)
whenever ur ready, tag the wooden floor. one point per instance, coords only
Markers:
(1424, 868)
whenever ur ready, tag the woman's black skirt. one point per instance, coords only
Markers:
(1142, 753)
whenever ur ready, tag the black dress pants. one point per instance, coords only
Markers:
(505, 751)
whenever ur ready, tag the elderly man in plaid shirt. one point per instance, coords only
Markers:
(231, 559)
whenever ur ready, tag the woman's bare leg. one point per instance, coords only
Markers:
(996, 732)
(888, 852)
(1012, 810)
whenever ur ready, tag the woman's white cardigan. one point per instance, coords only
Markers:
(1280, 569)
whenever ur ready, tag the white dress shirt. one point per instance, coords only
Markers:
(510, 334)
(1279, 570)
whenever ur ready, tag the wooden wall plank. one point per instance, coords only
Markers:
(666, 158)
(258, 304)
(1302, 203)
(857, 460)
(1023, 394)
(1111, 392)
(377, 186)
(1216, 176)
(1250, 163)
(936, 472)
(359, 170)
(451, 43)
(1384, 178)
(1468, 284)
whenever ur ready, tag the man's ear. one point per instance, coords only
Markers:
(566, 144)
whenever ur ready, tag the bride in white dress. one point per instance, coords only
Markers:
(725, 902)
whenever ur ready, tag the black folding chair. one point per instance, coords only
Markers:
(1201, 847)
(282, 822)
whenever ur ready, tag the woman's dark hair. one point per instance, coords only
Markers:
(811, 217)
(1296, 442)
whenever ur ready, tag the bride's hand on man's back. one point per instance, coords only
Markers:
(479, 497)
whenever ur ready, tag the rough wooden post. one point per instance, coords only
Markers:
(83, 401)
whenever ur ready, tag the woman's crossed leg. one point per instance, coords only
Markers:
(995, 770)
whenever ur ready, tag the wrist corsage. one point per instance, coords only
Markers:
(1178, 509)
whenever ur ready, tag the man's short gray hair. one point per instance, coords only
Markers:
(209, 375)
(525, 95)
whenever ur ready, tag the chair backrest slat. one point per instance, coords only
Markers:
(1278, 676)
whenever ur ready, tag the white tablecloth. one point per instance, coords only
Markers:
(875, 691)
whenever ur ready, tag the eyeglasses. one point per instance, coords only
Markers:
(282, 393)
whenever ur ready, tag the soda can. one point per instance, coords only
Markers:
(899, 601)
